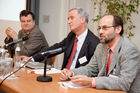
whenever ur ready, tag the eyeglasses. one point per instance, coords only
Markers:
(104, 27)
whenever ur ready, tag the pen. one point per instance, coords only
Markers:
(69, 77)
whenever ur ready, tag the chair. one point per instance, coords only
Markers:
(53, 59)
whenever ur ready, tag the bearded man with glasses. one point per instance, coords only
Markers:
(115, 63)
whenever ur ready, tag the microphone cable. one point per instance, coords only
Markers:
(15, 71)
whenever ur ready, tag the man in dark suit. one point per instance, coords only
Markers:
(86, 44)
(87, 41)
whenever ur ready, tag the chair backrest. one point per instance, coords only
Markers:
(53, 59)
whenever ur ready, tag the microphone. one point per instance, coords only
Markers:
(40, 57)
(17, 41)
(54, 51)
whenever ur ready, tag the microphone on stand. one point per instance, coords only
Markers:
(41, 56)
(16, 41)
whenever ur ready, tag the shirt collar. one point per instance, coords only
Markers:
(83, 35)
(114, 45)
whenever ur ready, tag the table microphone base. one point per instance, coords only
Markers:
(44, 78)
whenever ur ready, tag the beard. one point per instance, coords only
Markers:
(107, 40)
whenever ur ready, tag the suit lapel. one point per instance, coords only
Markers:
(70, 46)
(115, 55)
(84, 48)
(103, 52)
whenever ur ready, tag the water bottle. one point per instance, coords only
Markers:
(17, 60)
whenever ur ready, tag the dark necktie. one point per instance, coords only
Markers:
(72, 54)
(107, 61)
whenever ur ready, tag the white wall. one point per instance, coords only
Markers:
(51, 10)
(52, 22)
(9, 16)
(10, 9)
(15, 25)
(136, 37)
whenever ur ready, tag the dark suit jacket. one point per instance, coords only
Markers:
(87, 49)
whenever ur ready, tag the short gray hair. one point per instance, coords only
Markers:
(81, 12)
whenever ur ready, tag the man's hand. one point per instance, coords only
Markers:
(11, 33)
(82, 80)
(66, 74)
(25, 59)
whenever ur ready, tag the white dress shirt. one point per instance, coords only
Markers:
(80, 42)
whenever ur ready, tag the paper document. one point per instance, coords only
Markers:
(41, 71)
(11, 77)
(69, 84)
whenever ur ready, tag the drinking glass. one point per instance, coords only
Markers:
(5, 66)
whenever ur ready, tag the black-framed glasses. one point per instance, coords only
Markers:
(105, 27)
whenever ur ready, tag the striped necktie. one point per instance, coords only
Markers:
(72, 54)
(107, 61)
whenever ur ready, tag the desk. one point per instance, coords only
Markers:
(26, 83)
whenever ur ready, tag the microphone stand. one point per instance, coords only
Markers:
(44, 78)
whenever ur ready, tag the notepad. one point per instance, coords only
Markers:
(41, 71)
(36, 65)
(69, 84)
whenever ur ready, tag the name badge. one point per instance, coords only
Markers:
(113, 76)
(82, 60)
